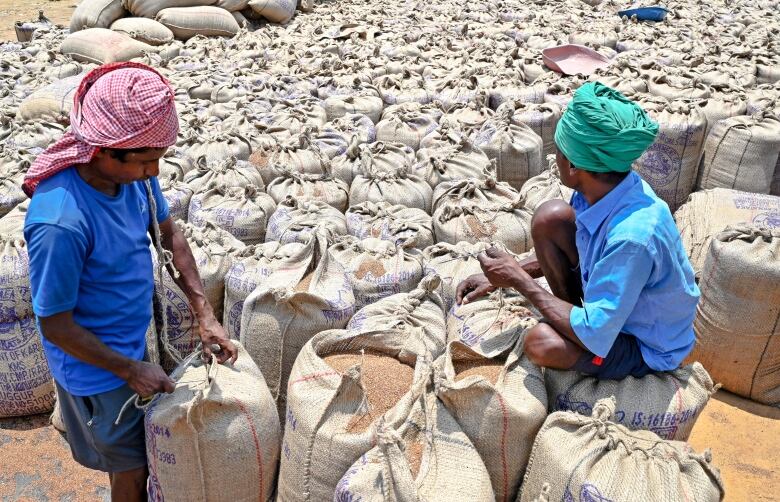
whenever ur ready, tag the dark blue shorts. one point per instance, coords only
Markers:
(94, 440)
(624, 359)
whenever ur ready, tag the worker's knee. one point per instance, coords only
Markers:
(551, 218)
(539, 344)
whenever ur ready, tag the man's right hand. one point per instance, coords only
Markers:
(473, 287)
(147, 379)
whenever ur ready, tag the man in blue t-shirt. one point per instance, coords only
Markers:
(624, 296)
(95, 202)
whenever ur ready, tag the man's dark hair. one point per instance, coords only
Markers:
(121, 154)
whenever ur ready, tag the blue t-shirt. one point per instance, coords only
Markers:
(89, 252)
(636, 276)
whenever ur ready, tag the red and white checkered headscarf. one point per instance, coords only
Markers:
(120, 105)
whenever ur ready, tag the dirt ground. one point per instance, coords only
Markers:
(58, 11)
(744, 437)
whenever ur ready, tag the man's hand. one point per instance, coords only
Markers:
(147, 379)
(212, 333)
(501, 269)
(473, 287)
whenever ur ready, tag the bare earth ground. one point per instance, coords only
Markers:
(58, 11)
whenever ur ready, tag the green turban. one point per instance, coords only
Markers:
(603, 131)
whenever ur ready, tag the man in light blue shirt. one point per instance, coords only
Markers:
(624, 296)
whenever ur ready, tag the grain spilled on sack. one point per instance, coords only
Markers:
(303, 286)
(385, 380)
(490, 369)
(414, 454)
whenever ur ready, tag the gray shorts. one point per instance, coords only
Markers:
(94, 440)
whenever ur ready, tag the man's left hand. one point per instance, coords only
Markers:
(212, 333)
(501, 268)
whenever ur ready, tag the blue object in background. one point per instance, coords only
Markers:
(645, 13)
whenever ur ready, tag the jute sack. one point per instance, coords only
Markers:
(407, 123)
(670, 164)
(736, 323)
(508, 223)
(307, 293)
(399, 187)
(372, 157)
(26, 386)
(11, 194)
(482, 190)
(403, 87)
(12, 224)
(211, 247)
(353, 128)
(216, 147)
(150, 8)
(542, 118)
(52, 102)
(276, 11)
(453, 263)
(543, 187)
(377, 268)
(421, 308)
(241, 211)
(310, 187)
(296, 114)
(228, 173)
(428, 457)
(456, 163)
(709, 212)
(178, 196)
(516, 148)
(667, 403)
(741, 153)
(467, 116)
(186, 22)
(188, 433)
(233, 6)
(491, 325)
(401, 225)
(500, 403)
(594, 458)
(96, 14)
(299, 155)
(295, 221)
(144, 30)
(333, 410)
(682, 86)
(102, 46)
(364, 102)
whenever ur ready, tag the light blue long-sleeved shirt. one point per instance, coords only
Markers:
(636, 276)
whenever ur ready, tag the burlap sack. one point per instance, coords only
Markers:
(216, 148)
(670, 165)
(211, 247)
(52, 102)
(310, 187)
(421, 308)
(175, 165)
(404, 226)
(102, 46)
(26, 386)
(307, 293)
(377, 268)
(144, 30)
(96, 14)
(233, 6)
(500, 403)
(543, 187)
(407, 123)
(186, 22)
(328, 411)
(12, 224)
(403, 87)
(579, 458)
(295, 221)
(491, 325)
(736, 323)
(216, 436)
(399, 187)
(681, 86)
(741, 153)
(509, 224)
(372, 157)
(482, 190)
(242, 211)
(542, 118)
(296, 115)
(275, 11)
(468, 116)
(11, 194)
(228, 173)
(298, 156)
(178, 196)
(709, 212)
(428, 457)
(150, 8)
(364, 102)
(516, 148)
(667, 403)
(351, 127)
(445, 164)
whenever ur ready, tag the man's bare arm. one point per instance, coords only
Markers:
(531, 265)
(144, 378)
